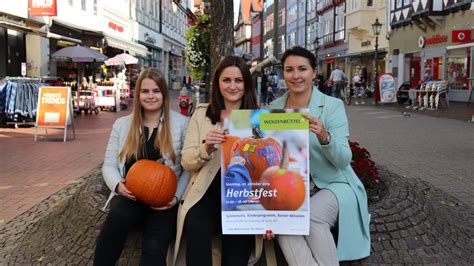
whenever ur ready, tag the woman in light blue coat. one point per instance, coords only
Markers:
(340, 201)
(151, 132)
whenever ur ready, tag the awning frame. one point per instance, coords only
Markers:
(131, 47)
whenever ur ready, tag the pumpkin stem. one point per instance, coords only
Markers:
(284, 157)
(256, 132)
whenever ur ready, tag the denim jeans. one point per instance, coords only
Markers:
(336, 89)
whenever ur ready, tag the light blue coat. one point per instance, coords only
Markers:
(330, 168)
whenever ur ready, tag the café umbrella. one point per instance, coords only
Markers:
(121, 59)
(78, 54)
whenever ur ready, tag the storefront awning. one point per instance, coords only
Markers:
(464, 45)
(51, 35)
(367, 54)
(131, 47)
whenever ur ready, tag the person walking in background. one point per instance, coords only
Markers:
(264, 88)
(427, 75)
(273, 79)
(151, 132)
(320, 83)
(340, 200)
(338, 78)
(199, 215)
(359, 82)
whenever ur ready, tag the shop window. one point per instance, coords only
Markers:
(399, 3)
(457, 71)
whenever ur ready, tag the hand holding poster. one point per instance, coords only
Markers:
(265, 180)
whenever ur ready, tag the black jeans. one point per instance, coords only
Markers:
(203, 222)
(159, 229)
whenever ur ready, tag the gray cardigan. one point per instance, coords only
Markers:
(113, 169)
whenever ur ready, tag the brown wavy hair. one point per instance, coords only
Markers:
(164, 139)
(249, 100)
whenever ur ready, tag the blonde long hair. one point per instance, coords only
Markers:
(163, 140)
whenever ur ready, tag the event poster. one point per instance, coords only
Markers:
(265, 172)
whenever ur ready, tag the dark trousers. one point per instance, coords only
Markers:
(159, 229)
(203, 222)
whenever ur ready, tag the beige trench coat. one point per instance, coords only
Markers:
(203, 168)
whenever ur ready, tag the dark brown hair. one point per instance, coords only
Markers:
(299, 51)
(249, 100)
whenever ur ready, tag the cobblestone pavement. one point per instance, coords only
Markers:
(437, 150)
(413, 223)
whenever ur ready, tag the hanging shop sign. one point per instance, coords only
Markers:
(54, 109)
(42, 8)
(461, 36)
(329, 59)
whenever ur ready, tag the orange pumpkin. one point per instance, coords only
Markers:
(226, 150)
(151, 182)
(289, 186)
(260, 153)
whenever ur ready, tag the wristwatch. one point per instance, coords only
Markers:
(328, 139)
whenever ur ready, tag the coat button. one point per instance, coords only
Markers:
(182, 201)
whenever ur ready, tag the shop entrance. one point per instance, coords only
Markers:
(415, 65)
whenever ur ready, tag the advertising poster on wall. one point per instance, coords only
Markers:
(265, 172)
(387, 87)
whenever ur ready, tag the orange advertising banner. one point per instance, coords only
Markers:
(42, 8)
(53, 107)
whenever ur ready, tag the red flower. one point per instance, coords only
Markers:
(363, 165)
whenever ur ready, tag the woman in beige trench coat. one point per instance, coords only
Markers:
(199, 210)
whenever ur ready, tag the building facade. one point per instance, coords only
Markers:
(311, 26)
(243, 30)
(173, 28)
(360, 15)
(331, 37)
(146, 17)
(433, 37)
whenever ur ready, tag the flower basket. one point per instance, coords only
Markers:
(198, 47)
(365, 169)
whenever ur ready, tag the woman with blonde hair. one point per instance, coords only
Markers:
(151, 132)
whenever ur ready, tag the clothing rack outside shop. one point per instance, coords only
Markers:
(19, 99)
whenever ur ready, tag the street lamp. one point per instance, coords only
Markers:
(376, 27)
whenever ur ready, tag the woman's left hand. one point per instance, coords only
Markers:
(170, 205)
(316, 126)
